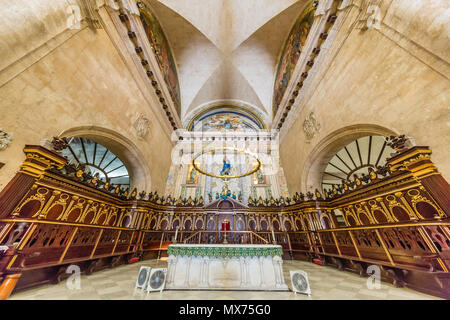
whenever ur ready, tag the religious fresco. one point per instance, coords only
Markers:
(259, 178)
(291, 52)
(171, 180)
(163, 54)
(225, 119)
(192, 176)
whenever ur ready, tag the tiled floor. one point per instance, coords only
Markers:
(119, 283)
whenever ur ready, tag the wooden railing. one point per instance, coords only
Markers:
(400, 223)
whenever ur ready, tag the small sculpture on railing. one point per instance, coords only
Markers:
(288, 201)
(260, 201)
(318, 194)
(59, 144)
(168, 200)
(372, 174)
(365, 178)
(133, 194)
(142, 195)
(310, 195)
(383, 170)
(356, 181)
(302, 197)
(398, 143)
(272, 201)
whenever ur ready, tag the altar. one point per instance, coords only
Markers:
(225, 267)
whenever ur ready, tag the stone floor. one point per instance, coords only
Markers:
(119, 283)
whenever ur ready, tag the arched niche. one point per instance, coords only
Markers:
(321, 154)
(122, 147)
(243, 107)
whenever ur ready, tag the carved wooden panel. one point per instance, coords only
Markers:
(83, 243)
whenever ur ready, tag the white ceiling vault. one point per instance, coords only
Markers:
(226, 49)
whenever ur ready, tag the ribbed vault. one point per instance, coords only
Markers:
(226, 49)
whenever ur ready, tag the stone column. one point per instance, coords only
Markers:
(261, 268)
(243, 272)
(276, 271)
(247, 271)
(203, 271)
(172, 266)
(188, 267)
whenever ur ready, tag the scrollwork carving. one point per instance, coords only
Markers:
(311, 126)
(5, 139)
(141, 125)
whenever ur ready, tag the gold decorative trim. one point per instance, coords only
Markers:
(224, 176)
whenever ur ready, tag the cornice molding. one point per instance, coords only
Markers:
(346, 15)
(119, 36)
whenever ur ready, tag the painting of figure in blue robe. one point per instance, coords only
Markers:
(226, 168)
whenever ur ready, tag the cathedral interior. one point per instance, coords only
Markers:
(235, 149)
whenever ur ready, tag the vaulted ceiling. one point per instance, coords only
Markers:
(226, 50)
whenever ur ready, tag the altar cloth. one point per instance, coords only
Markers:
(225, 267)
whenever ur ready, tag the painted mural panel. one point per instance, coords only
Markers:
(291, 52)
(192, 175)
(225, 118)
(163, 54)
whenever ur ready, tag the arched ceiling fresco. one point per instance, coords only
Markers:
(227, 49)
(291, 52)
(225, 118)
(163, 53)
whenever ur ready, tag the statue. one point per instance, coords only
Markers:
(217, 195)
(234, 195)
(240, 196)
(260, 177)
(192, 176)
(210, 196)
(225, 192)
(226, 168)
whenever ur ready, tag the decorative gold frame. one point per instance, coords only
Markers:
(227, 177)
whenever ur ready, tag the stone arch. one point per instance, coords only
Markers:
(322, 153)
(122, 147)
(250, 109)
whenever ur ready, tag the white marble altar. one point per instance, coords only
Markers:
(225, 267)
